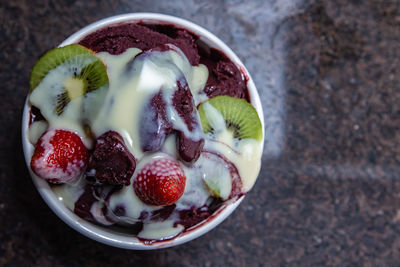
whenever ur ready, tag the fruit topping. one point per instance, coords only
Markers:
(220, 176)
(59, 156)
(240, 117)
(64, 74)
(160, 182)
(111, 162)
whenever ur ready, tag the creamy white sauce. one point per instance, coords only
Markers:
(69, 193)
(196, 193)
(216, 177)
(132, 205)
(36, 130)
(160, 230)
(97, 212)
(169, 146)
(245, 154)
(133, 80)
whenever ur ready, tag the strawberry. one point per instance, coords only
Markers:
(160, 182)
(59, 156)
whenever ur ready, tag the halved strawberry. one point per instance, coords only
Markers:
(160, 182)
(59, 157)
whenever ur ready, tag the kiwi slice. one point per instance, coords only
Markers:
(240, 117)
(217, 186)
(75, 71)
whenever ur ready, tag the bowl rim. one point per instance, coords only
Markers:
(103, 234)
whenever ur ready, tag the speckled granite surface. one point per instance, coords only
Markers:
(328, 73)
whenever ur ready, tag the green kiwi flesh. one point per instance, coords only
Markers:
(82, 70)
(241, 118)
(214, 186)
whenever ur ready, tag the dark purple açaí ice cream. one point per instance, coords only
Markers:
(224, 76)
(158, 75)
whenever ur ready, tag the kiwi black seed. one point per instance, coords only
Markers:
(81, 70)
(241, 118)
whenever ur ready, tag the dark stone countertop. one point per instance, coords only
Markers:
(328, 73)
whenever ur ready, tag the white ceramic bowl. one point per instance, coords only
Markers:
(103, 234)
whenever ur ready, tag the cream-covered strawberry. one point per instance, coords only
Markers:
(160, 182)
(59, 157)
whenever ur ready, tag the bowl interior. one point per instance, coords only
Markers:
(107, 235)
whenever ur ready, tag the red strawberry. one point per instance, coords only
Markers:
(160, 182)
(59, 157)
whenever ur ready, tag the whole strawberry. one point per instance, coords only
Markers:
(59, 156)
(160, 182)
